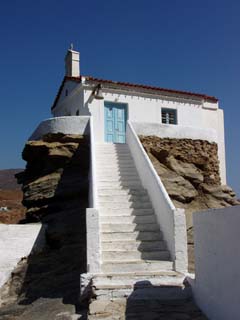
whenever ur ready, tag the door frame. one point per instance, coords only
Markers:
(113, 103)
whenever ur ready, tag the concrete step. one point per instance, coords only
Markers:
(106, 148)
(114, 155)
(119, 192)
(120, 185)
(132, 235)
(136, 266)
(124, 197)
(128, 219)
(118, 173)
(113, 164)
(122, 179)
(130, 227)
(109, 145)
(125, 212)
(138, 280)
(126, 159)
(125, 205)
(117, 160)
(134, 255)
(133, 245)
(145, 292)
(114, 168)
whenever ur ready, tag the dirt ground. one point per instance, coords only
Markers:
(12, 199)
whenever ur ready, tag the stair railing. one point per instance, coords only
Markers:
(92, 214)
(171, 220)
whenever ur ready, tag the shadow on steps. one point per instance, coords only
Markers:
(161, 302)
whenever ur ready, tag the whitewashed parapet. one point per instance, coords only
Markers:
(16, 242)
(92, 171)
(93, 241)
(171, 220)
(66, 125)
(92, 220)
(217, 262)
(174, 131)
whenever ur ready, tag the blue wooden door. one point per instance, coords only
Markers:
(115, 122)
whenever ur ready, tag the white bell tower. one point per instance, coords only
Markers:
(72, 63)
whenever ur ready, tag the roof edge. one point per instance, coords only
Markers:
(154, 88)
(132, 85)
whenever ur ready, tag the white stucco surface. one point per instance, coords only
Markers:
(68, 87)
(66, 125)
(72, 65)
(16, 242)
(92, 171)
(92, 214)
(93, 240)
(171, 220)
(174, 131)
(217, 262)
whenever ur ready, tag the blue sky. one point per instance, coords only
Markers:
(188, 45)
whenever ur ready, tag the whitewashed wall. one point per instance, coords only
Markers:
(69, 86)
(16, 242)
(177, 132)
(144, 107)
(66, 125)
(217, 262)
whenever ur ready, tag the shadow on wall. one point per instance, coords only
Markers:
(55, 271)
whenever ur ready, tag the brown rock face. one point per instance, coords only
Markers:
(189, 170)
(202, 154)
(56, 171)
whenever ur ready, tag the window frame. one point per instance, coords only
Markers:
(167, 111)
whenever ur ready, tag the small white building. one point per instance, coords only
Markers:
(132, 224)
(136, 237)
(171, 113)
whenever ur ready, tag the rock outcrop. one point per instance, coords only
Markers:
(50, 177)
(55, 184)
(189, 170)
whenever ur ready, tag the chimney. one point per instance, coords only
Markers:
(72, 67)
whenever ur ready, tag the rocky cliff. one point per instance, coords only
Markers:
(189, 170)
(55, 186)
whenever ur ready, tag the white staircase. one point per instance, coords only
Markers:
(131, 240)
